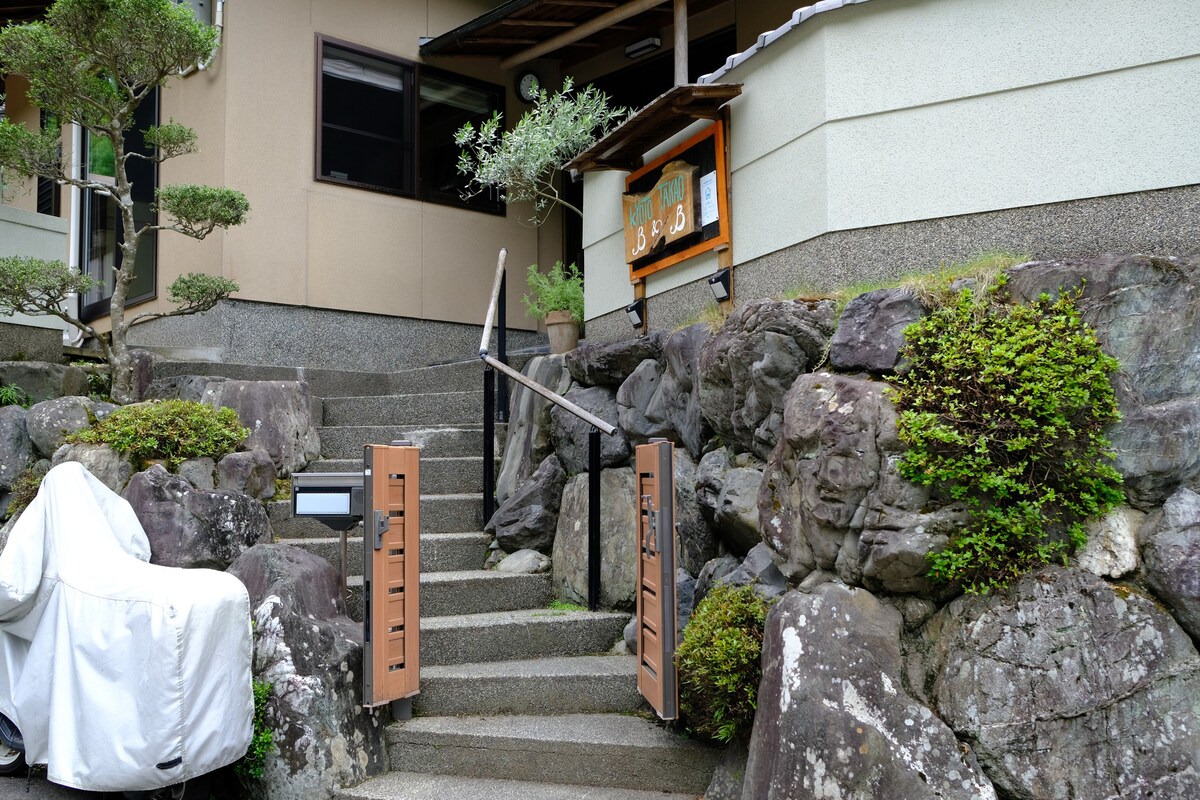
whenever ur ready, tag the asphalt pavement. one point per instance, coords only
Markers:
(13, 787)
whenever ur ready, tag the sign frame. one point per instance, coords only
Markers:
(722, 239)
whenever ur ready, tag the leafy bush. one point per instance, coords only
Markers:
(24, 488)
(13, 395)
(170, 430)
(720, 662)
(560, 289)
(262, 743)
(1005, 407)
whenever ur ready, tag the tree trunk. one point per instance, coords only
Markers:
(123, 390)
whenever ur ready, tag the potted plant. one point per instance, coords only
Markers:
(558, 298)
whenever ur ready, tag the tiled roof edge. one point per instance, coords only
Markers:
(799, 16)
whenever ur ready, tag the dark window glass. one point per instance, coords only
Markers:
(447, 102)
(366, 121)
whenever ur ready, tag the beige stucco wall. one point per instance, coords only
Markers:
(899, 110)
(19, 192)
(324, 245)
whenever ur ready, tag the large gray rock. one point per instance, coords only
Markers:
(750, 363)
(675, 403)
(834, 718)
(189, 527)
(634, 397)
(1112, 548)
(728, 777)
(611, 364)
(727, 495)
(42, 380)
(525, 562)
(1143, 309)
(759, 571)
(311, 654)
(112, 468)
(712, 573)
(250, 472)
(199, 472)
(1157, 449)
(1171, 555)
(1068, 687)
(16, 449)
(279, 414)
(832, 498)
(618, 544)
(870, 331)
(529, 517)
(528, 441)
(50, 421)
(697, 543)
(570, 433)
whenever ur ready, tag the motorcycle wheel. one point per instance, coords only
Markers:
(12, 752)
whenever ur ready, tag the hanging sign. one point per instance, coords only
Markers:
(677, 206)
(663, 215)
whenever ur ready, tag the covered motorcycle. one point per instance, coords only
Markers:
(120, 674)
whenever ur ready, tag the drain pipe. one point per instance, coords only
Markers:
(219, 24)
(72, 336)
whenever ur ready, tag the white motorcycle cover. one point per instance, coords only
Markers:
(121, 675)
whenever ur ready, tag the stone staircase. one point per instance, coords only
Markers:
(517, 700)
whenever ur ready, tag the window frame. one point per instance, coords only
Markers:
(413, 183)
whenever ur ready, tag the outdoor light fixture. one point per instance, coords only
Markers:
(642, 46)
(636, 311)
(719, 283)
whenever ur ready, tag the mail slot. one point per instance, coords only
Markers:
(385, 497)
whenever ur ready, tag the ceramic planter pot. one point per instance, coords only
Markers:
(563, 331)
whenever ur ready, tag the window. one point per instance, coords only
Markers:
(100, 218)
(385, 126)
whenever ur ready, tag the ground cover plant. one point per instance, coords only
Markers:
(720, 663)
(1004, 407)
(168, 430)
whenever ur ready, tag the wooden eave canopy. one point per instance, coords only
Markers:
(669, 113)
(22, 10)
(517, 26)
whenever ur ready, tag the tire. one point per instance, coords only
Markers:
(12, 748)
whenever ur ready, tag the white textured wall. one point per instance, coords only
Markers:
(898, 110)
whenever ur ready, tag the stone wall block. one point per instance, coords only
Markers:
(870, 331)
(16, 448)
(528, 519)
(528, 441)
(611, 364)
(618, 544)
(570, 433)
(1171, 556)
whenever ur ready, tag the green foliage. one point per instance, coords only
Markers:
(525, 161)
(262, 743)
(1005, 407)
(560, 289)
(170, 430)
(712, 315)
(38, 286)
(198, 210)
(562, 605)
(171, 140)
(13, 395)
(24, 488)
(197, 291)
(720, 662)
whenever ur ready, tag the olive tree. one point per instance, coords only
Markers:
(525, 162)
(92, 63)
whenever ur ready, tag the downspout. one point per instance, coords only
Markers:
(72, 336)
(219, 24)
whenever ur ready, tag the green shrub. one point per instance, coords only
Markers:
(560, 289)
(13, 395)
(262, 743)
(720, 662)
(24, 488)
(1005, 407)
(170, 430)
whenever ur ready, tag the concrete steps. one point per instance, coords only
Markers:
(440, 513)
(609, 750)
(477, 591)
(453, 475)
(552, 685)
(521, 634)
(346, 441)
(419, 786)
(441, 408)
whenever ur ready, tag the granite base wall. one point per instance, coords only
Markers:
(243, 332)
(1162, 222)
(29, 343)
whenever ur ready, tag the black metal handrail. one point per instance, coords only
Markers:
(491, 366)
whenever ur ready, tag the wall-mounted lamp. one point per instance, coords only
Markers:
(636, 311)
(719, 284)
(642, 46)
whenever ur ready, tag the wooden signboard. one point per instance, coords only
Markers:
(677, 206)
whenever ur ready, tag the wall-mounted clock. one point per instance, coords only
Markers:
(527, 86)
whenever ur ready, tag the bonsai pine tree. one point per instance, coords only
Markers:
(92, 63)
